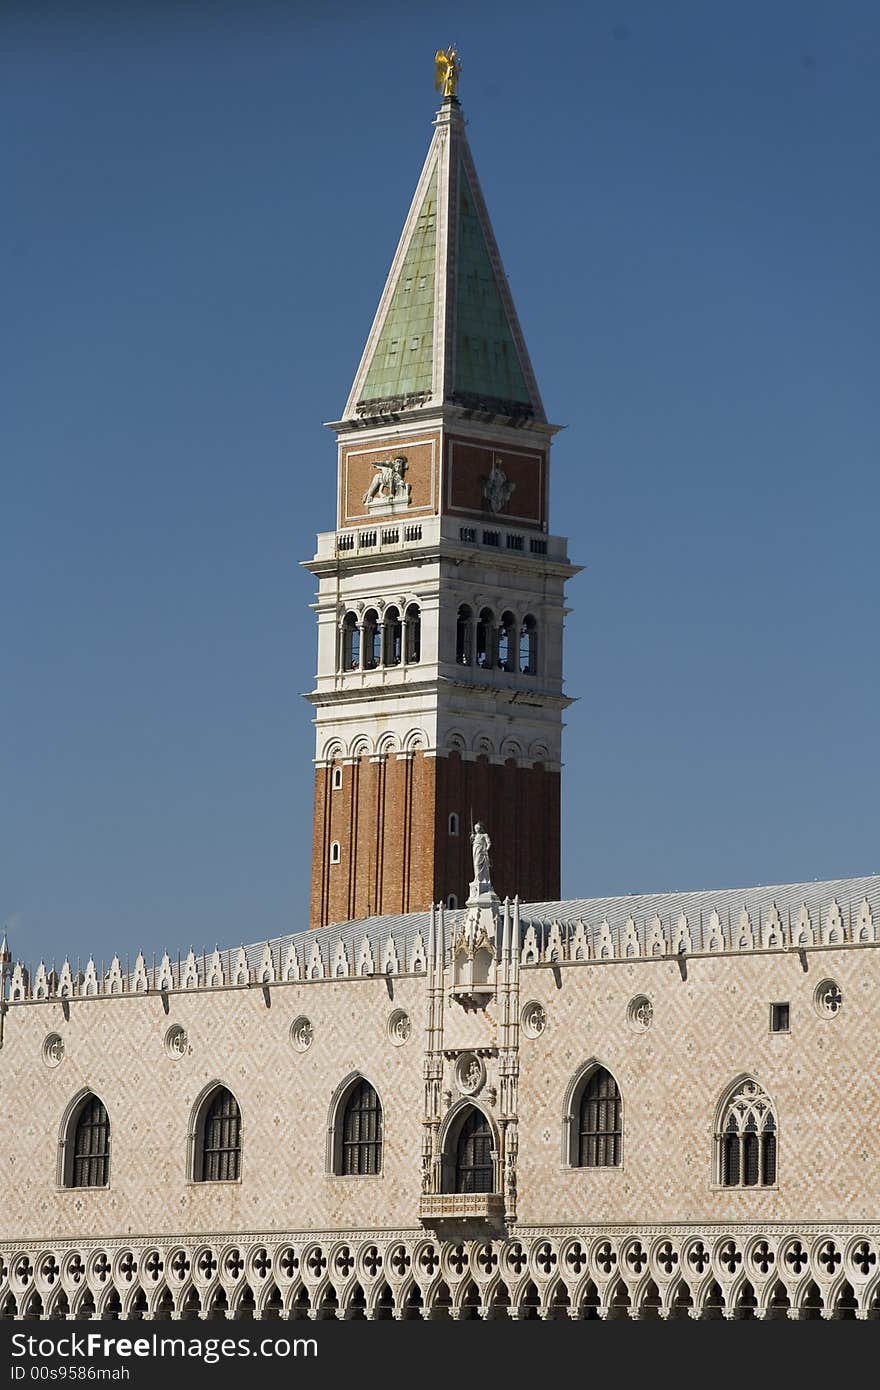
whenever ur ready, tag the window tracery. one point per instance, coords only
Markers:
(746, 1139)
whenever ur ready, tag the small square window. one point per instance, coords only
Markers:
(780, 1015)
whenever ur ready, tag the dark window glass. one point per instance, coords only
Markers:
(413, 633)
(506, 642)
(474, 1168)
(599, 1127)
(91, 1146)
(362, 1132)
(463, 633)
(351, 643)
(528, 646)
(750, 1158)
(371, 643)
(730, 1156)
(221, 1139)
(486, 638)
(392, 633)
(779, 1018)
(768, 1153)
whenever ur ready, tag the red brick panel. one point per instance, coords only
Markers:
(383, 818)
(520, 807)
(357, 472)
(467, 468)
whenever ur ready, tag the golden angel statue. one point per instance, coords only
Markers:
(446, 70)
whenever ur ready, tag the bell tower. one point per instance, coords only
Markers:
(439, 696)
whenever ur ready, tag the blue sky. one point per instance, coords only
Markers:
(200, 205)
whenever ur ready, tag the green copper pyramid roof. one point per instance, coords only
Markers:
(403, 359)
(486, 362)
(446, 330)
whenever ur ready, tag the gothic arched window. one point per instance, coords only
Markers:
(507, 642)
(359, 1146)
(463, 636)
(413, 633)
(371, 640)
(474, 1162)
(88, 1157)
(528, 646)
(218, 1138)
(595, 1121)
(392, 634)
(745, 1139)
(350, 653)
(486, 638)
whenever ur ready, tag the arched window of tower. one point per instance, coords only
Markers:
(486, 638)
(453, 822)
(371, 640)
(413, 633)
(350, 644)
(337, 779)
(392, 637)
(528, 646)
(452, 902)
(464, 636)
(506, 642)
(334, 852)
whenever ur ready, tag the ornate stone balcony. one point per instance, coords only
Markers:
(438, 1208)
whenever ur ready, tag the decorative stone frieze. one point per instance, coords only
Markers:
(734, 1272)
